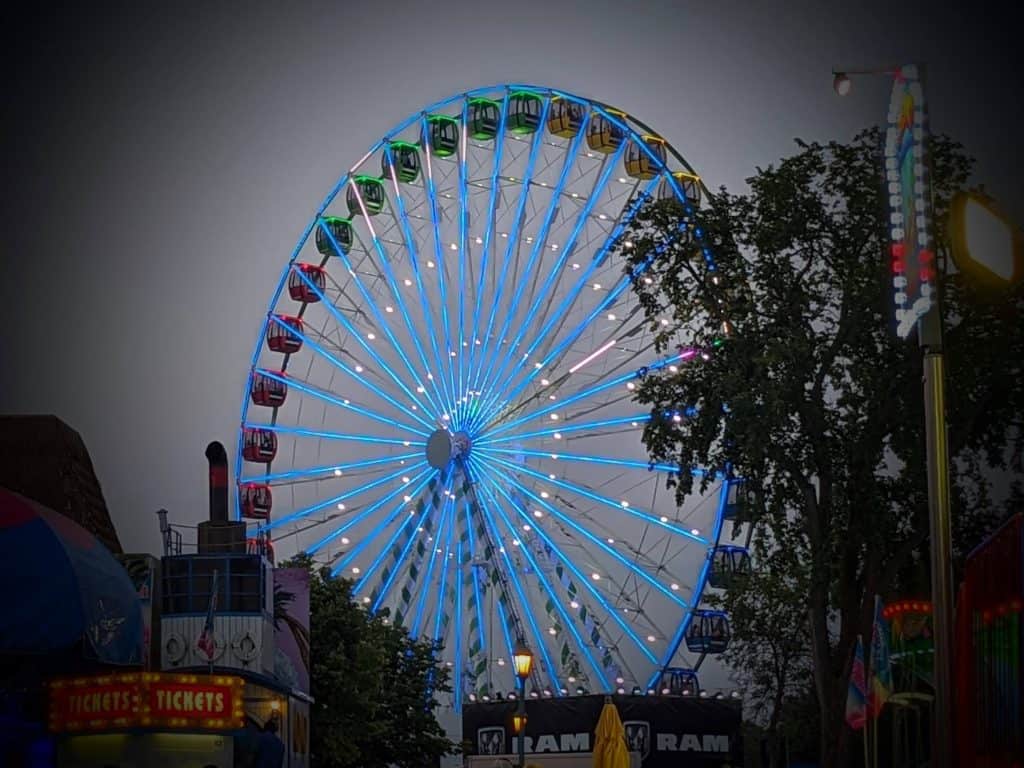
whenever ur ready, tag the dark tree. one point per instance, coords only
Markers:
(807, 392)
(374, 687)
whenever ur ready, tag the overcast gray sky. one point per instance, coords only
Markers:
(160, 164)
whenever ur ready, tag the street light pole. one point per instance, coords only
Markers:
(940, 522)
(521, 709)
(522, 660)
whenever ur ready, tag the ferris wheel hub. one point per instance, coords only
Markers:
(444, 446)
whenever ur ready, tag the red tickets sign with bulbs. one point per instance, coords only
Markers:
(144, 700)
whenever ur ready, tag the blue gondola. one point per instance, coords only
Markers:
(708, 632)
(679, 681)
(728, 562)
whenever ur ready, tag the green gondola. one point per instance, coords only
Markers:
(524, 110)
(407, 161)
(484, 118)
(341, 231)
(371, 189)
(442, 134)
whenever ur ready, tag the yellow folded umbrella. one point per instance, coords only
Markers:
(610, 747)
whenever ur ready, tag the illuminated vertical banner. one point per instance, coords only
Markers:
(906, 169)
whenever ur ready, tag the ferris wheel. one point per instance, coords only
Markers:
(441, 408)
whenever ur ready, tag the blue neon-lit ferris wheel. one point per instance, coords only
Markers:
(440, 406)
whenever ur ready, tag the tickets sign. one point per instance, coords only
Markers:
(205, 702)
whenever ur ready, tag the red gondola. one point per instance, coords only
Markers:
(279, 334)
(256, 501)
(268, 390)
(300, 289)
(259, 445)
(261, 546)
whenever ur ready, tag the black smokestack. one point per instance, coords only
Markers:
(218, 459)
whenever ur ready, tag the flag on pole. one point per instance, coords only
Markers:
(206, 642)
(856, 694)
(881, 668)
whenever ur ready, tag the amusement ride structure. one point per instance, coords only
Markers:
(441, 401)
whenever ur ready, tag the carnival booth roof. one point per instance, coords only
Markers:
(63, 586)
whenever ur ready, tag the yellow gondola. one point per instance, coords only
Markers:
(603, 135)
(688, 183)
(565, 117)
(640, 164)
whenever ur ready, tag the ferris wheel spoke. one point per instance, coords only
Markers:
(677, 638)
(298, 475)
(590, 537)
(570, 245)
(538, 247)
(652, 466)
(414, 630)
(493, 406)
(334, 500)
(400, 555)
(441, 617)
(422, 477)
(581, 395)
(354, 333)
(412, 246)
(392, 281)
(566, 429)
(327, 435)
(463, 258)
(567, 621)
(517, 585)
(354, 374)
(368, 298)
(457, 685)
(413, 572)
(573, 590)
(431, 192)
(477, 634)
(344, 404)
(487, 243)
(621, 506)
(513, 243)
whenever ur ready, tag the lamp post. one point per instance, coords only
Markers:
(929, 329)
(522, 660)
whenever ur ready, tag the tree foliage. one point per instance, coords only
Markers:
(374, 687)
(806, 391)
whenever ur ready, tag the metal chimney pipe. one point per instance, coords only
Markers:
(165, 530)
(218, 459)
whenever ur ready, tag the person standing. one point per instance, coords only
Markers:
(270, 750)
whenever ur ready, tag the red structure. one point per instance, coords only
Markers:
(259, 445)
(269, 390)
(989, 647)
(256, 500)
(281, 338)
(307, 290)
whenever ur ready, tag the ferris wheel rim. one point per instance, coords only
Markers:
(347, 179)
